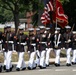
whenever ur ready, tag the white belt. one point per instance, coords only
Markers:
(0, 42)
(10, 42)
(58, 42)
(33, 44)
(22, 43)
(68, 41)
(42, 42)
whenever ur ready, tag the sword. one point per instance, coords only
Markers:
(36, 51)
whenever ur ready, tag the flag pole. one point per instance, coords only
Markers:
(56, 23)
(56, 13)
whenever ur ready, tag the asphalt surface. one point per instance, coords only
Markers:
(51, 70)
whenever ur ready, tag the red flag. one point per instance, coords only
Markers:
(45, 18)
(59, 15)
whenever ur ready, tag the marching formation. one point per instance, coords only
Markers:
(38, 44)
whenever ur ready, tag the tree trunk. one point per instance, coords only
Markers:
(16, 20)
(40, 13)
(16, 17)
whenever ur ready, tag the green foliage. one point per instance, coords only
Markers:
(64, 1)
(9, 6)
(70, 10)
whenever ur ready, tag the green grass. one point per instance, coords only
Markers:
(1, 29)
(15, 57)
(26, 33)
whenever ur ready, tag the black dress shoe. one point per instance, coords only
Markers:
(47, 65)
(11, 68)
(29, 68)
(68, 64)
(1, 69)
(34, 68)
(42, 67)
(57, 65)
(7, 70)
(4, 67)
(24, 68)
(73, 63)
(38, 65)
(17, 69)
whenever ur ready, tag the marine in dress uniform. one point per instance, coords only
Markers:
(37, 61)
(57, 46)
(49, 46)
(31, 49)
(68, 44)
(21, 41)
(4, 52)
(7, 45)
(42, 47)
(74, 48)
(0, 49)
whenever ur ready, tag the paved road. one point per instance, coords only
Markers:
(52, 70)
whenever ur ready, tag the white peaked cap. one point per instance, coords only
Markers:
(30, 29)
(21, 27)
(5, 26)
(41, 27)
(57, 28)
(47, 28)
(67, 27)
(8, 25)
(37, 29)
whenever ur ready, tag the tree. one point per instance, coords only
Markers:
(16, 7)
(2, 19)
(70, 10)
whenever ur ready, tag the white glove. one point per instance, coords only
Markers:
(63, 48)
(3, 49)
(37, 51)
(69, 40)
(46, 49)
(28, 52)
(0, 42)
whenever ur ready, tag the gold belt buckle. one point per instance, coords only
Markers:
(56, 46)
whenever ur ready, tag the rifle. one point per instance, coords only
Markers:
(72, 27)
(71, 32)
